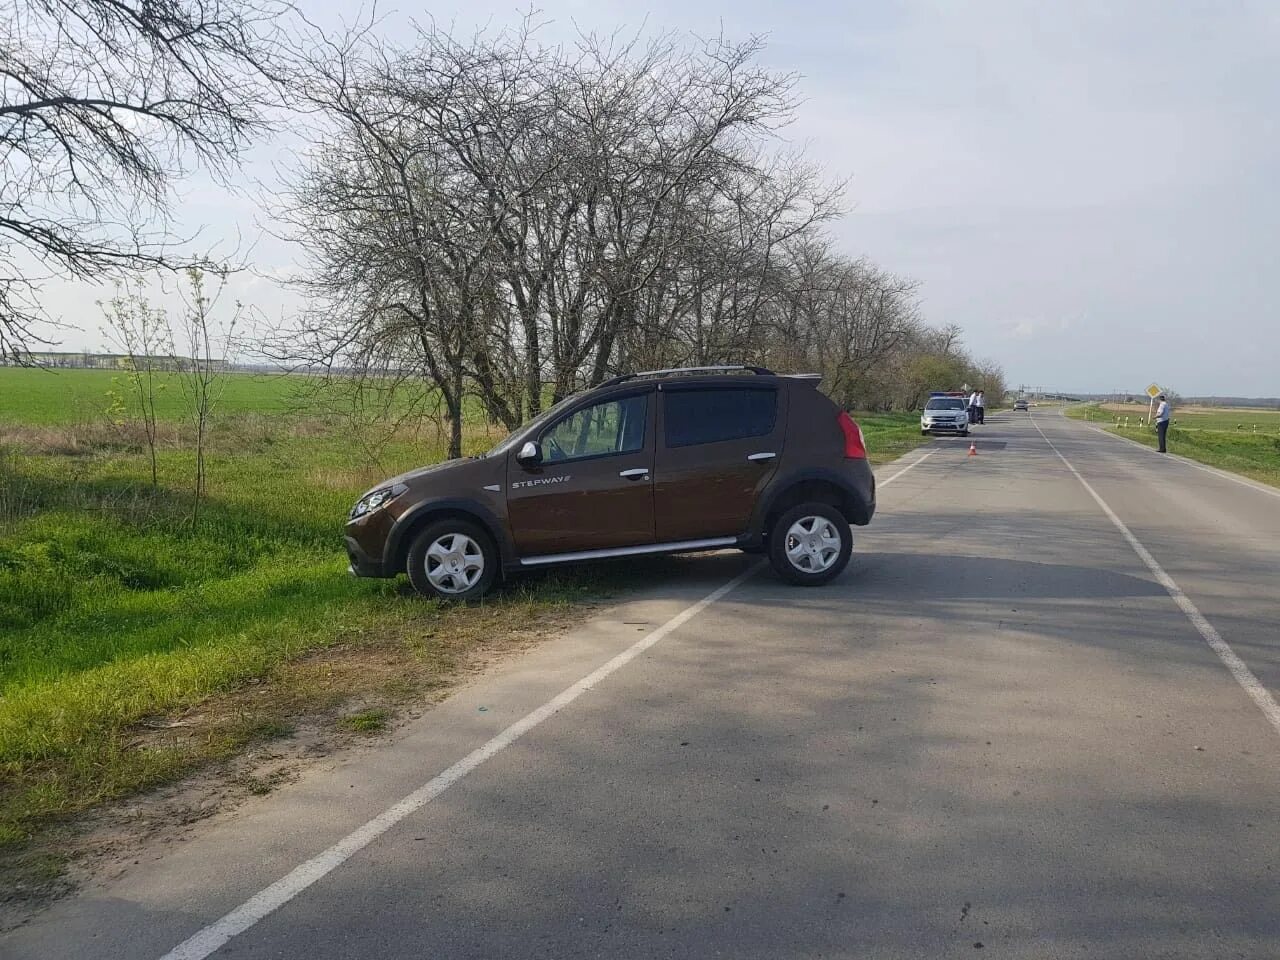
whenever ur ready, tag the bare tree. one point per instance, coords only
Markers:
(494, 217)
(497, 215)
(142, 332)
(203, 371)
(104, 105)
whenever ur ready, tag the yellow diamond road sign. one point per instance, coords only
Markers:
(1154, 390)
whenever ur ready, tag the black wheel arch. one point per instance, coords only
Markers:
(808, 486)
(395, 554)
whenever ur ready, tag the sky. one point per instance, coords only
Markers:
(1088, 188)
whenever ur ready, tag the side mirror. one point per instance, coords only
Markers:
(530, 454)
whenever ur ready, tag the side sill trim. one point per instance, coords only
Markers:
(676, 547)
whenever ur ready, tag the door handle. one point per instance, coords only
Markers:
(760, 457)
(635, 473)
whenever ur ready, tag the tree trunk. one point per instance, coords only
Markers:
(453, 406)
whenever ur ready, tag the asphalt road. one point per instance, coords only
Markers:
(1000, 733)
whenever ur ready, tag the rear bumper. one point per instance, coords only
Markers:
(860, 497)
(361, 565)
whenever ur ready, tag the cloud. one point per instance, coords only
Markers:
(1028, 328)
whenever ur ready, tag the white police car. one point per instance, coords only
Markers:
(945, 413)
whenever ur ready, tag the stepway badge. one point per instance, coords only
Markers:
(539, 481)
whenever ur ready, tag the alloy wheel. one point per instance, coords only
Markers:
(813, 544)
(455, 563)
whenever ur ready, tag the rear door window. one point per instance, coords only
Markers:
(716, 414)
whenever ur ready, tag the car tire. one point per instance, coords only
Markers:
(452, 559)
(964, 433)
(806, 566)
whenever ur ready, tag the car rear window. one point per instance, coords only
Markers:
(715, 414)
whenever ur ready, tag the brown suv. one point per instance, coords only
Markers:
(665, 461)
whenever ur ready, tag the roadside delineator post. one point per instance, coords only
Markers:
(973, 449)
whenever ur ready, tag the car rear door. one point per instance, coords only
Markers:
(594, 487)
(719, 446)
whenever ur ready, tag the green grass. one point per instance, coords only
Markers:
(61, 397)
(890, 435)
(117, 613)
(1238, 421)
(367, 721)
(1220, 438)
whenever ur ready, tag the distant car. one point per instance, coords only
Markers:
(1020, 404)
(945, 415)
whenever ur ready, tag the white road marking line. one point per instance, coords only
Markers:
(207, 941)
(885, 483)
(1243, 675)
(212, 937)
(1204, 467)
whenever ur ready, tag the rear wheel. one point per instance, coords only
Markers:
(452, 559)
(810, 544)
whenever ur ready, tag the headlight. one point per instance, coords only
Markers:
(378, 498)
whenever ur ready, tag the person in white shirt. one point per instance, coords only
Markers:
(973, 407)
(981, 404)
(1163, 412)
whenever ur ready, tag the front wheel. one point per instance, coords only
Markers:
(810, 544)
(452, 559)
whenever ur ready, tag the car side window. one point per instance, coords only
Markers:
(614, 426)
(716, 414)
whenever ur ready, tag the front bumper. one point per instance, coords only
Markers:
(944, 427)
(361, 564)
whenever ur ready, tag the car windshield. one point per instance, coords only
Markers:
(507, 442)
(945, 403)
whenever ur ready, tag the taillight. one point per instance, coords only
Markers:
(854, 446)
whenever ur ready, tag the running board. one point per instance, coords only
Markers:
(677, 547)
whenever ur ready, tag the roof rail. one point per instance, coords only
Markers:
(676, 371)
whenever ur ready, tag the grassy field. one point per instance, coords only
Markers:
(1244, 441)
(130, 639)
(65, 397)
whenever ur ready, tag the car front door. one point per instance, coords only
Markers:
(719, 447)
(593, 489)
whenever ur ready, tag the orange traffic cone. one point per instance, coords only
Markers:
(973, 449)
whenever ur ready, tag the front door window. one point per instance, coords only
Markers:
(602, 429)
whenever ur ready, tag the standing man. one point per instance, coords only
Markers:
(982, 407)
(973, 407)
(1162, 421)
